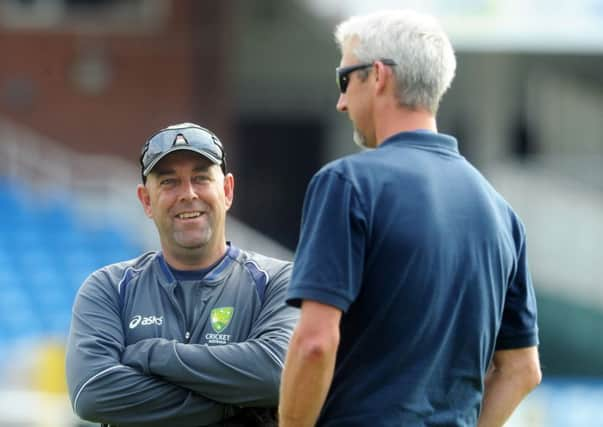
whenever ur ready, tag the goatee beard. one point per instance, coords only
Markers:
(360, 139)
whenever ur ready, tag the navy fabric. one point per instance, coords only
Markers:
(260, 278)
(183, 275)
(128, 276)
(428, 264)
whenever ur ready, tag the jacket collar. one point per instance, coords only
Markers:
(212, 277)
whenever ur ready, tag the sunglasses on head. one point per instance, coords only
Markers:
(196, 137)
(342, 74)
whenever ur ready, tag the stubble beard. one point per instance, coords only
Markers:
(360, 139)
(193, 239)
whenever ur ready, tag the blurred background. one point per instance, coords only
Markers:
(84, 82)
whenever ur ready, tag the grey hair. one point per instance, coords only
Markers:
(416, 42)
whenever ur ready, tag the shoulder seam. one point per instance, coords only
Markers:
(261, 292)
(128, 275)
(259, 268)
(344, 178)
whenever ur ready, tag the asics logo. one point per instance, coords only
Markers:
(145, 321)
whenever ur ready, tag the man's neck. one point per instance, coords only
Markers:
(194, 259)
(403, 120)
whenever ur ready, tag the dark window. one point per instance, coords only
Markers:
(276, 159)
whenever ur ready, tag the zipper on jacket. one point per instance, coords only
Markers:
(172, 294)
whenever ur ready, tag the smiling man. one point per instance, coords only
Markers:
(194, 334)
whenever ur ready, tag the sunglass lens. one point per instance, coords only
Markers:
(343, 83)
(341, 80)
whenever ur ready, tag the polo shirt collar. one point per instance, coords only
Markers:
(423, 139)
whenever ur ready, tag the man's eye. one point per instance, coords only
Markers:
(201, 178)
(167, 181)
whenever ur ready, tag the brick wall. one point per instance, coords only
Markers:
(132, 83)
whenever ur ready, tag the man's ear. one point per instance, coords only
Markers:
(228, 190)
(145, 199)
(382, 76)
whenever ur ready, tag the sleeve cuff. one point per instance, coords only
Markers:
(528, 339)
(296, 296)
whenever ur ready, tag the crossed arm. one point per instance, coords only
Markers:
(243, 374)
(162, 382)
(104, 390)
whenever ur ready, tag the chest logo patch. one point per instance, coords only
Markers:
(145, 321)
(220, 318)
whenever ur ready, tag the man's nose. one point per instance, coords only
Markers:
(188, 191)
(342, 103)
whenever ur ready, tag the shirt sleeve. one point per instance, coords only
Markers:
(519, 323)
(330, 255)
(245, 373)
(103, 390)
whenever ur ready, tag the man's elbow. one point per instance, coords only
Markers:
(316, 336)
(532, 376)
(518, 366)
(86, 406)
(526, 375)
(316, 348)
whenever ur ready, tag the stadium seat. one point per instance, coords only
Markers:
(46, 252)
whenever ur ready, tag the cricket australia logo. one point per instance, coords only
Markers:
(220, 319)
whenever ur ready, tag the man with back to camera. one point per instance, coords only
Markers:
(196, 333)
(411, 271)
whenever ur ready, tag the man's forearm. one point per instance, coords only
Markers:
(501, 397)
(508, 381)
(306, 380)
(124, 397)
(310, 365)
(244, 373)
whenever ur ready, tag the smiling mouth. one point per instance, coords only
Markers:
(189, 215)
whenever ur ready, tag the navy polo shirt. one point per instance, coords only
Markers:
(428, 264)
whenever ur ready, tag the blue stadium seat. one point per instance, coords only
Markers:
(45, 255)
(18, 315)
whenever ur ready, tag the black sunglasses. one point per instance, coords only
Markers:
(342, 73)
(195, 138)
